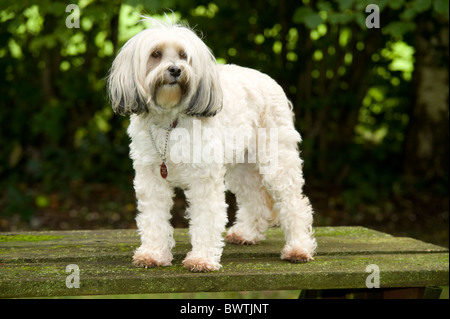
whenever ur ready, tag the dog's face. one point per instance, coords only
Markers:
(169, 71)
(164, 68)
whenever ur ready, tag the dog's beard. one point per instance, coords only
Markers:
(168, 91)
(169, 95)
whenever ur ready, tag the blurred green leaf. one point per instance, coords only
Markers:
(340, 18)
(360, 19)
(42, 201)
(409, 14)
(345, 4)
(307, 16)
(396, 4)
(441, 7)
(398, 28)
(421, 5)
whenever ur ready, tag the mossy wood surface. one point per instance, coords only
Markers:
(34, 263)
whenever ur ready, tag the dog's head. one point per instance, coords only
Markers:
(165, 67)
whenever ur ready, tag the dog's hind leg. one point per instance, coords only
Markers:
(285, 182)
(254, 215)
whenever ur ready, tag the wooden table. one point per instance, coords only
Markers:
(348, 261)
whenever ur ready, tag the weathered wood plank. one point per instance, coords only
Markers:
(34, 264)
(120, 244)
(326, 272)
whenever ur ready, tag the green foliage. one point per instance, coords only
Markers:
(307, 16)
(349, 85)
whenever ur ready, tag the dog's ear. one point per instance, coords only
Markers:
(207, 99)
(125, 92)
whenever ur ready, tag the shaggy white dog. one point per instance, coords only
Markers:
(205, 127)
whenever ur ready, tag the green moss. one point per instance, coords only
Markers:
(28, 238)
(348, 231)
(105, 261)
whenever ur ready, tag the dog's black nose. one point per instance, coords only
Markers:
(174, 71)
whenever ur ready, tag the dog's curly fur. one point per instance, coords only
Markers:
(166, 73)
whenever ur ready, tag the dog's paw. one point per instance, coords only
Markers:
(198, 264)
(237, 239)
(146, 259)
(296, 255)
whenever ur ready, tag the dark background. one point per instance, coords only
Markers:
(371, 105)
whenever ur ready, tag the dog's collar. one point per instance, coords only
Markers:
(174, 124)
(171, 126)
(162, 155)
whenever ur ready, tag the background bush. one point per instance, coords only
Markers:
(371, 104)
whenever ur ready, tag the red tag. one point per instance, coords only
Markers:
(163, 170)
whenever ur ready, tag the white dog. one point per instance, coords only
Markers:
(168, 80)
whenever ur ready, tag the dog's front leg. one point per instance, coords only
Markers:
(154, 197)
(208, 218)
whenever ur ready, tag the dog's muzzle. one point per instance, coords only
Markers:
(174, 71)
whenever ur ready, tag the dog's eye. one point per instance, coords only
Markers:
(156, 54)
(183, 55)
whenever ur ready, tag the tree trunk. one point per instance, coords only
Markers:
(427, 140)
